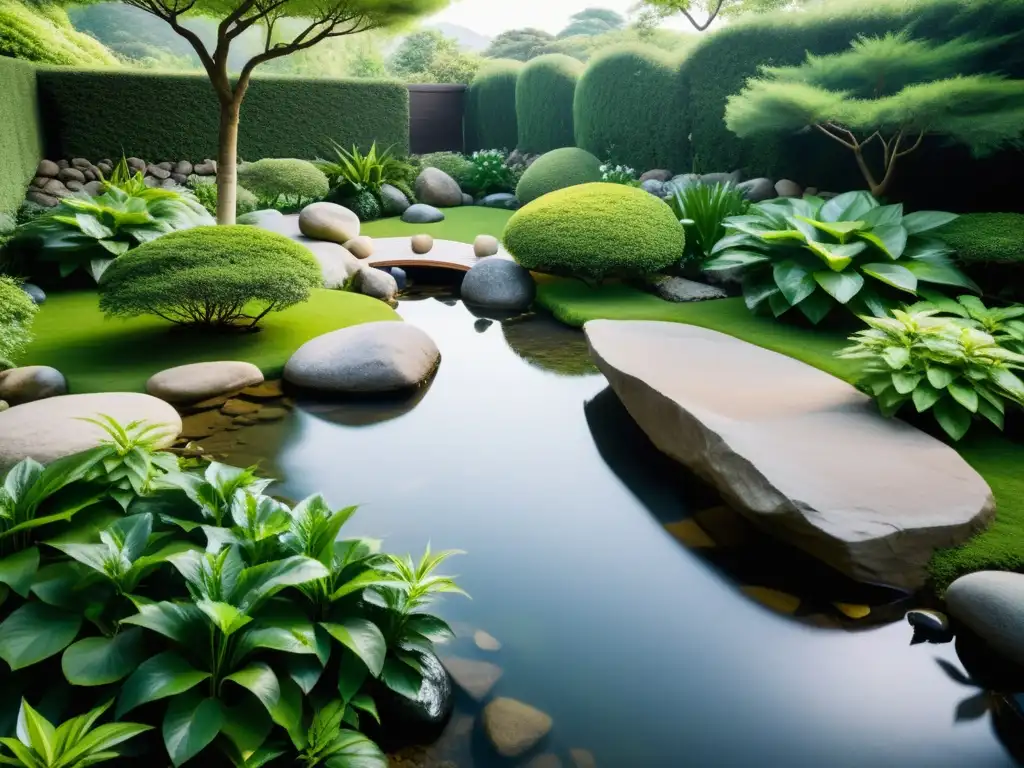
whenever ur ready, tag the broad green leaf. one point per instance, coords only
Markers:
(842, 286)
(942, 275)
(290, 635)
(401, 678)
(166, 674)
(103, 660)
(246, 725)
(288, 711)
(190, 725)
(35, 632)
(758, 289)
(351, 749)
(964, 394)
(884, 214)
(39, 730)
(896, 357)
(305, 671)
(1007, 381)
(954, 419)
(892, 274)
(836, 257)
(182, 622)
(783, 235)
(18, 570)
(925, 396)
(891, 239)
(363, 638)
(816, 306)
(923, 221)
(849, 206)
(939, 376)
(994, 415)
(838, 229)
(794, 281)
(905, 383)
(364, 702)
(226, 618)
(778, 305)
(352, 673)
(365, 580)
(260, 680)
(735, 258)
(429, 626)
(262, 581)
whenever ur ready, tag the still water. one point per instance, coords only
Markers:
(643, 652)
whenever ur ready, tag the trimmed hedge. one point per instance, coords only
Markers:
(990, 248)
(17, 312)
(629, 109)
(544, 101)
(272, 177)
(594, 231)
(20, 149)
(44, 33)
(490, 121)
(557, 169)
(160, 116)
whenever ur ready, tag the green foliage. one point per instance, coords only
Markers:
(490, 173)
(456, 165)
(891, 88)
(586, 47)
(593, 21)
(990, 248)
(939, 365)
(491, 107)
(417, 52)
(618, 174)
(703, 209)
(20, 146)
(76, 743)
(205, 190)
(544, 98)
(624, 105)
(518, 44)
(16, 314)
(594, 231)
(91, 232)
(272, 179)
(364, 204)
(43, 33)
(459, 67)
(352, 111)
(849, 251)
(1004, 324)
(211, 276)
(557, 169)
(354, 171)
(328, 743)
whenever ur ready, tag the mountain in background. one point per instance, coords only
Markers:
(469, 40)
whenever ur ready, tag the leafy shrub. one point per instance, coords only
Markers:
(489, 173)
(1004, 324)
(849, 251)
(618, 174)
(544, 95)
(558, 169)
(211, 276)
(353, 170)
(594, 231)
(703, 209)
(936, 363)
(458, 166)
(491, 106)
(274, 179)
(17, 311)
(43, 33)
(90, 232)
(205, 190)
(364, 204)
(990, 248)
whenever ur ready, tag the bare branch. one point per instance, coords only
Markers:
(160, 9)
(712, 15)
(854, 146)
(916, 145)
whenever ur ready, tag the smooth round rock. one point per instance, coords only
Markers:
(513, 727)
(475, 678)
(657, 174)
(991, 604)
(329, 221)
(201, 381)
(37, 294)
(787, 188)
(653, 187)
(422, 243)
(400, 277)
(394, 200)
(337, 264)
(361, 247)
(53, 428)
(421, 213)
(435, 187)
(47, 168)
(467, 199)
(385, 356)
(33, 382)
(375, 283)
(485, 245)
(757, 190)
(505, 200)
(497, 283)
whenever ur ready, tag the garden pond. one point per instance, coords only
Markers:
(630, 605)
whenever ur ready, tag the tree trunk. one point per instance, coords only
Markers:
(227, 162)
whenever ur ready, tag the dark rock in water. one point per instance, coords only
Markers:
(403, 721)
(34, 292)
(504, 200)
(497, 283)
(929, 626)
(400, 277)
(482, 324)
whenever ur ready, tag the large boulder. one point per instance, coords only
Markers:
(422, 214)
(33, 382)
(757, 190)
(801, 453)
(384, 356)
(192, 383)
(505, 200)
(514, 728)
(336, 263)
(394, 200)
(476, 678)
(329, 221)
(498, 283)
(435, 187)
(991, 604)
(375, 283)
(53, 428)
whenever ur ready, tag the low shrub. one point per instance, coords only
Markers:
(703, 209)
(619, 174)
(353, 170)
(557, 169)
(990, 248)
(277, 180)
(490, 173)
(364, 204)
(229, 276)
(205, 190)
(459, 167)
(17, 311)
(594, 231)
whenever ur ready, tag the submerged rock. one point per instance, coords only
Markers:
(422, 721)
(504, 200)
(930, 626)
(186, 384)
(486, 641)
(477, 678)
(513, 727)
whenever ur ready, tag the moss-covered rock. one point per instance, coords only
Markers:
(593, 231)
(558, 169)
(990, 248)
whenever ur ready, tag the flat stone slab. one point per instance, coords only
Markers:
(801, 453)
(447, 254)
(53, 428)
(186, 384)
(513, 727)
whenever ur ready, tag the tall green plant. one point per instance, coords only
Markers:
(353, 170)
(702, 209)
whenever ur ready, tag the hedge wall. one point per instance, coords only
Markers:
(491, 107)
(935, 176)
(20, 149)
(159, 116)
(544, 99)
(626, 106)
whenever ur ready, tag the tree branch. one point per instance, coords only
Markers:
(159, 9)
(916, 145)
(712, 15)
(854, 146)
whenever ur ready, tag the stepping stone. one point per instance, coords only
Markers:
(486, 641)
(477, 678)
(582, 758)
(513, 727)
(202, 381)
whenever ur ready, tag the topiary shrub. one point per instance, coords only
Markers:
(229, 276)
(557, 169)
(274, 179)
(16, 314)
(459, 167)
(990, 248)
(544, 98)
(594, 231)
(363, 204)
(205, 190)
(626, 108)
(491, 106)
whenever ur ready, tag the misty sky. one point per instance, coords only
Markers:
(489, 17)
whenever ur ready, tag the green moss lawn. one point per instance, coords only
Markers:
(98, 354)
(460, 224)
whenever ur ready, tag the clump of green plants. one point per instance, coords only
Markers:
(284, 183)
(703, 209)
(557, 169)
(618, 174)
(953, 370)
(221, 277)
(245, 628)
(1004, 324)
(364, 204)
(850, 252)
(456, 165)
(17, 311)
(205, 190)
(352, 170)
(490, 173)
(990, 248)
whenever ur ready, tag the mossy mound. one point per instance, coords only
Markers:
(556, 170)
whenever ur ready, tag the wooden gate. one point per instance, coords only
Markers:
(435, 118)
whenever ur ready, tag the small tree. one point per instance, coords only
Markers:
(321, 20)
(652, 12)
(593, 21)
(519, 44)
(891, 90)
(417, 52)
